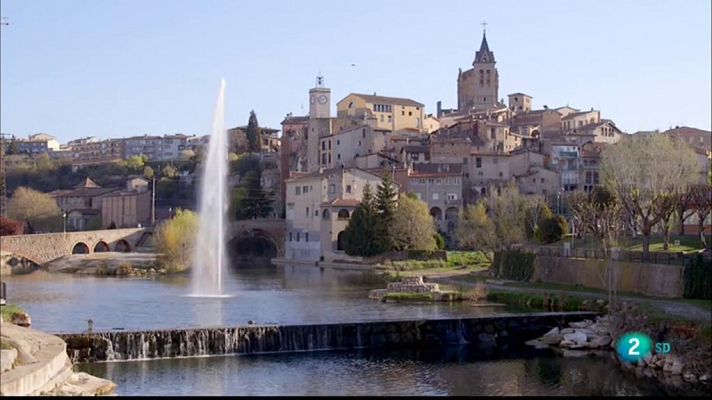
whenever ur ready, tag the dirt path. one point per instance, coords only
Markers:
(669, 307)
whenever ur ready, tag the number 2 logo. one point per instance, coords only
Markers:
(633, 349)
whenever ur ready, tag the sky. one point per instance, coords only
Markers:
(115, 68)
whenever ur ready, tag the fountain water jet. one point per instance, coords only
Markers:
(209, 257)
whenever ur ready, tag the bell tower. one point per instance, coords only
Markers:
(319, 100)
(319, 124)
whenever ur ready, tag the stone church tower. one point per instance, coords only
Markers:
(319, 124)
(478, 87)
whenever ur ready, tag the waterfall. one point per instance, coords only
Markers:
(209, 256)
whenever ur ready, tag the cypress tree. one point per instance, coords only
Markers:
(359, 235)
(253, 133)
(386, 200)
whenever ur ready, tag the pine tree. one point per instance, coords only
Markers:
(253, 133)
(386, 201)
(359, 236)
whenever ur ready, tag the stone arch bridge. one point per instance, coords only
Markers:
(270, 231)
(45, 247)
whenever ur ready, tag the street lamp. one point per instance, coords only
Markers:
(64, 222)
(170, 212)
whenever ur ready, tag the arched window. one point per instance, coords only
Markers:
(80, 248)
(343, 214)
(436, 213)
(325, 214)
(340, 241)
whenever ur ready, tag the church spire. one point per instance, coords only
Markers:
(484, 55)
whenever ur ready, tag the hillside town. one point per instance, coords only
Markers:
(318, 166)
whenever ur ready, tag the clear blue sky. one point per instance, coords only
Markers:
(113, 68)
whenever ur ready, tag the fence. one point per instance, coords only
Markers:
(667, 258)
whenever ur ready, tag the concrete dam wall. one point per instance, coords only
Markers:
(252, 339)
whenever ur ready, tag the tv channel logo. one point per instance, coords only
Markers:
(634, 346)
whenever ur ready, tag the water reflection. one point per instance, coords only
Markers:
(435, 371)
(265, 294)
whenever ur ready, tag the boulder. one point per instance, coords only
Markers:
(21, 319)
(689, 377)
(576, 337)
(551, 339)
(704, 378)
(600, 341)
(554, 331)
(567, 330)
(589, 333)
(676, 368)
(582, 324)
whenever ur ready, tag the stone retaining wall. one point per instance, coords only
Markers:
(656, 280)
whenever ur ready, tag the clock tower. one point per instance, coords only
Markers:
(319, 100)
(319, 124)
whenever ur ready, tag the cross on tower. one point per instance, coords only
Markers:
(484, 27)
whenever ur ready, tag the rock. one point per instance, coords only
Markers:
(676, 368)
(600, 341)
(583, 324)
(589, 333)
(575, 353)
(21, 319)
(689, 377)
(537, 344)
(551, 339)
(704, 378)
(152, 270)
(567, 330)
(576, 337)
(554, 331)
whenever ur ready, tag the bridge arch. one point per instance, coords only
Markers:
(122, 246)
(253, 243)
(101, 247)
(80, 248)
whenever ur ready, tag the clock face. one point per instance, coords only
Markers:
(312, 99)
(322, 99)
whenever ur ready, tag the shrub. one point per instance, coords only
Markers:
(175, 240)
(479, 292)
(551, 229)
(514, 265)
(698, 279)
(439, 241)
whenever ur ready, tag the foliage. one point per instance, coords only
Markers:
(8, 310)
(148, 172)
(359, 237)
(467, 258)
(698, 279)
(546, 301)
(396, 297)
(412, 227)
(514, 265)
(244, 163)
(642, 169)
(386, 203)
(169, 171)
(551, 229)
(187, 155)
(10, 227)
(439, 241)
(135, 164)
(253, 133)
(475, 229)
(479, 292)
(175, 240)
(536, 212)
(39, 209)
(250, 200)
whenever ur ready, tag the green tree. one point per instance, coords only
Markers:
(551, 229)
(169, 171)
(253, 133)
(386, 201)
(250, 200)
(535, 213)
(175, 240)
(476, 231)
(13, 148)
(39, 209)
(148, 172)
(412, 227)
(359, 237)
(135, 164)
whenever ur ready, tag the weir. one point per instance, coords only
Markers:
(253, 339)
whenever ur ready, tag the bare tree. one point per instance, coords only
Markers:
(702, 200)
(663, 208)
(641, 169)
(682, 208)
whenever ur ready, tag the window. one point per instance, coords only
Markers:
(493, 133)
(363, 133)
(343, 214)
(541, 180)
(348, 188)
(410, 113)
(500, 174)
(452, 196)
(436, 196)
(298, 236)
(402, 112)
(297, 190)
(480, 173)
(329, 144)
(534, 180)
(306, 237)
(438, 181)
(305, 189)
(316, 213)
(290, 236)
(422, 181)
(478, 162)
(307, 214)
(323, 145)
(338, 156)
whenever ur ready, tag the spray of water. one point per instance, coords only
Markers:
(209, 258)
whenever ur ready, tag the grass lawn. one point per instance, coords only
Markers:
(8, 309)
(688, 243)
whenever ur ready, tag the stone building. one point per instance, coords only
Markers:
(440, 186)
(319, 206)
(478, 87)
